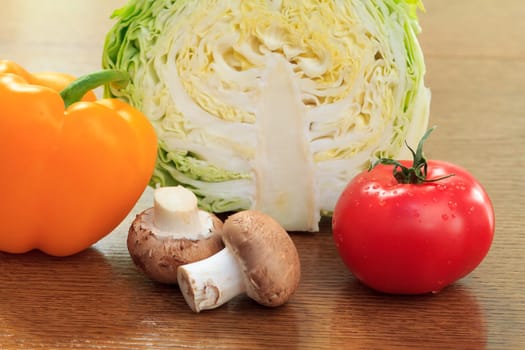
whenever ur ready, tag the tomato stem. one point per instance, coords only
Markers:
(79, 87)
(418, 172)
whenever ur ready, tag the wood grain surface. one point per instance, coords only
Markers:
(475, 54)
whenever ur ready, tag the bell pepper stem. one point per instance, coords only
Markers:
(79, 87)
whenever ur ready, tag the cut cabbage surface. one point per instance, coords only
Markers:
(272, 105)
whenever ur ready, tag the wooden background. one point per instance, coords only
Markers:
(475, 54)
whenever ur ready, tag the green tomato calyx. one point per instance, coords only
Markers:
(417, 173)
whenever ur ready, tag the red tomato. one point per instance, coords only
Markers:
(406, 238)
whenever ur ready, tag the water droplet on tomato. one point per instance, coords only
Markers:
(444, 217)
(460, 186)
(470, 210)
(452, 205)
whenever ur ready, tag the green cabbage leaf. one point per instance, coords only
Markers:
(272, 105)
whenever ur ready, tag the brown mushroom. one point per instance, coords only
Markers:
(259, 259)
(172, 233)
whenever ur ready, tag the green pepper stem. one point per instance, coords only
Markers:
(79, 87)
(417, 173)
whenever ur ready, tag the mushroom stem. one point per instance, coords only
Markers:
(209, 283)
(176, 211)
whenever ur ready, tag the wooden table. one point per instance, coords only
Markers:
(475, 53)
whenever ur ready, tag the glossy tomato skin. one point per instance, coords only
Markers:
(413, 238)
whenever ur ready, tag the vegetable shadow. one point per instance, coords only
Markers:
(63, 301)
(449, 319)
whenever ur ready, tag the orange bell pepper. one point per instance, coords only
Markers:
(70, 171)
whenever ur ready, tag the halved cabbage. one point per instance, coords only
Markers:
(272, 105)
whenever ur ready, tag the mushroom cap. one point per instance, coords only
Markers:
(159, 256)
(266, 254)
